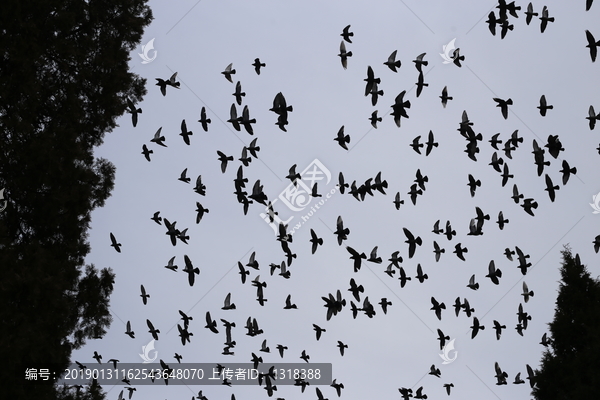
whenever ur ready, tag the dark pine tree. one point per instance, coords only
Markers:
(570, 367)
(64, 79)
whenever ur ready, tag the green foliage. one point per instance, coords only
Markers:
(570, 366)
(64, 80)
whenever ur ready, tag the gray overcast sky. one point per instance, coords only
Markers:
(299, 42)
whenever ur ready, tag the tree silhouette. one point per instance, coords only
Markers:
(570, 368)
(64, 79)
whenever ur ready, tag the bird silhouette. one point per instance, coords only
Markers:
(228, 72)
(315, 240)
(501, 220)
(500, 375)
(346, 34)
(545, 19)
(146, 152)
(341, 232)
(437, 307)
(238, 93)
(338, 387)
(183, 177)
(258, 65)
(341, 346)
(503, 104)
(392, 63)
(498, 328)
(342, 139)
(445, 96)
(158, 139)
(530, 14)
(191, 271)
(357, 257)
(421, 277)
(399, 108)
(114, 243)
(412, 242)
(419, 63)
(185, 133)
(526, 292)
(592, 45)
(133, 111)
(344, 55)
(476, 327)
(152, 330)
(543, 107)
(144, 295)
(355, 289)
(493, 273)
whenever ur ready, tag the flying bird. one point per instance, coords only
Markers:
(227, 304)
(170, 82)
(344, 55)
(445, 96)
(526, 292)
(472, 284)
(185, 133)
(153, 331)
(374, 119)
(438, 251)
(473, 184)
(191, 271)
(543, 107)
(421, 83)
(146, 152)
(144, 295)
(501, 220)
(133, 111)
(258, 65)
(346, 34)
(530, 14)
(224, 159)
(545, 19)
(228, 72)
(419, 63)
(203, 120)
(551, 188)
(342, 139)
(412, 242)
(498, 328)
(392, 63)
(493, 273)
(315, 240)
(592, 45)
(114, 243)
(437, 307)
(183, 177)
(500, 375)
(210, 323)
(503, 104)
(129, 331)
(476, 327)
(397, 202)
(158, 139)
(341, 232)
(238, 93)
(288, 303)
(399, 108)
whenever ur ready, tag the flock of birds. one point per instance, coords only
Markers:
(360, 303)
